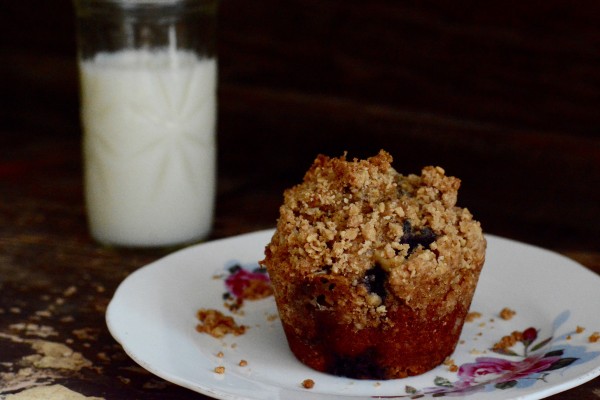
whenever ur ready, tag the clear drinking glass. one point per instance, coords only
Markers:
(148, 74)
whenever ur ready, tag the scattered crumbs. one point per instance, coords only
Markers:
(59, 301)
(594, 337)
(243, 363)
(472, 316)
(377, 384)
(579, 329)
(100, 289)
(462, 342)
(70, 291)
(452, 367)
(568, 337)
(102, 356)
(480, 334)
(216, 324)
(233, 345)
(67, 319)
(220, 354)
(492, 320)
(508, 341)
(481, 325)
(126, 381)
(220, 370)
(308, 384)
(15, 310)
(475, 352)
(507, 314)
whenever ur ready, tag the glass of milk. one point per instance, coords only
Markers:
(148, 73)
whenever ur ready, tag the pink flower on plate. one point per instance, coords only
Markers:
(498, 370)
(248, 285)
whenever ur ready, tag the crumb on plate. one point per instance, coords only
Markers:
(506, 313)
(220, 370)
(217, 324)
(452, 367)
(508, 341)
(472, 316)
(308, 384)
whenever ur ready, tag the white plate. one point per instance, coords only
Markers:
(153, 315)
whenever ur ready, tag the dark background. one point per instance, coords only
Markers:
(504, 95)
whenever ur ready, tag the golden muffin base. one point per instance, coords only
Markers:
(412, 347)
(406, 342)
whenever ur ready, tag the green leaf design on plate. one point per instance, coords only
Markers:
(505, 385)
(441, 381)
(410, 390)
(541, 344)
(563, 362)
(554, 353)
(505, 352)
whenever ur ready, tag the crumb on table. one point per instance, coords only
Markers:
(243, 363)
(579, 329)
(594, 337)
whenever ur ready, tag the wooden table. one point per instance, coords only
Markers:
(508, 102)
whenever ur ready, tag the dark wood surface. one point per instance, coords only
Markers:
(504, 96)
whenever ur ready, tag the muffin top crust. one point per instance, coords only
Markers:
(390, 240)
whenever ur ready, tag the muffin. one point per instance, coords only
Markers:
(373, 272)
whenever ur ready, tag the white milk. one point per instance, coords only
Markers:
(149, 146)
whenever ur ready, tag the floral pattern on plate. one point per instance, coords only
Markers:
(528, 361)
